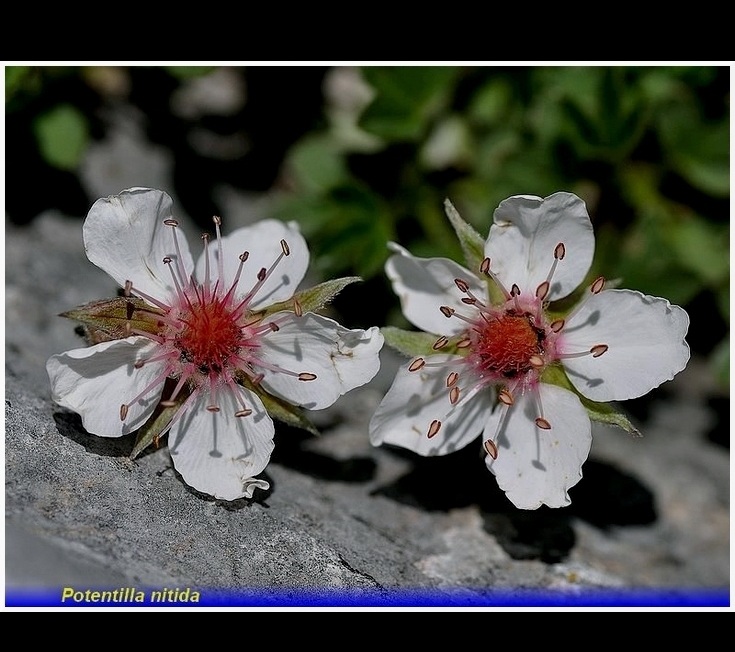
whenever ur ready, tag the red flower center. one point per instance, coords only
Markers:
(506, 344)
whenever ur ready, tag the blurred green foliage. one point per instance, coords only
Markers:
(647, 147)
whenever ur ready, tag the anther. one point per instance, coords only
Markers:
(542, 290)
(262, 274)
(298, 310)
(243, 413)
(434, 428)
(123, 412)
(244, 256)
(440, 343)
(505, 397)
(598, 350)
(307, 376)
(447, 311)
(597, 286)
(491, 449)
(462, 284)
(138, 364)
(557, 325)
(560, 251)
(170, 222)
(515, 290)
(217, 220)
(128, 288)
(452, 378)
(485, 266)
(417, 364)
(213, 408)
(167, 260)
(274, 327)
(470, 301)
(454, 395)
(542, 423)
(463, 344)
(536, 361)
(167, 403)
(284, 248)
(256, 380)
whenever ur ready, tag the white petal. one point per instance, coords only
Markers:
(125, 236)
(262, 241)
(423, 285)
(537, 467)
(218, 453)
(95, 381)
(645, 336)
(417, 398)
(342, 359)
(524, 235)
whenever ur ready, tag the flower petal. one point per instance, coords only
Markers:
(423, 285)
(218, 453)
(262, 241)
(96, 380)
(125, 236)
(525, 233)
(416, 399)
(645, 339)
(342, 359)
(537, 467)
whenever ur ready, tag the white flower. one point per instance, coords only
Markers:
(216, 346)
(506, 368)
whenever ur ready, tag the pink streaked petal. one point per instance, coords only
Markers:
(262, 241)
(524, 235)
(423, 285)
(537, 467)
(416, 399)
(218, 453)
(125, 236)
(95, 381)
(645, 340)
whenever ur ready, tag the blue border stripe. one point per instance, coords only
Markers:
(279, 597)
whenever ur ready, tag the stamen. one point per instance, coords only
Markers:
(454, 395)
(491, 448)
(505, 397)
(542, 290)
(220, 254)
(417, 364)
(307, 376)
(440, 343)
(179, 262)
(557, 325)
(542, 423)
(213, 408)
(243, 413)
(485, 269)
(446, 311)
(434, 428)
(285, 248)
(597, 286)
(123, 412)
(462, 285)
(598, 350)
(452, 378)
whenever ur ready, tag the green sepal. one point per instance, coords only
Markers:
(152, 428)
(601, 412)
(414, 343)
(111, 319)
(472, 243)
(314, 298)
(277, 408)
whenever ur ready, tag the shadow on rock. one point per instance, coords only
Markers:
(289, 451)
(70, 426)
(604, 497)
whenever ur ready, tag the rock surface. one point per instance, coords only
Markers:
(343, 523)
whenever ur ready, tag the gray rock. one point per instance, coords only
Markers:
(342, 519)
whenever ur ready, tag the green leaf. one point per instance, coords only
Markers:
(108, 319)
(315, 298)
(409, 343)
(601, 412)
(280, 409)
(62, 135)
(473, 244)
(152, 428)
